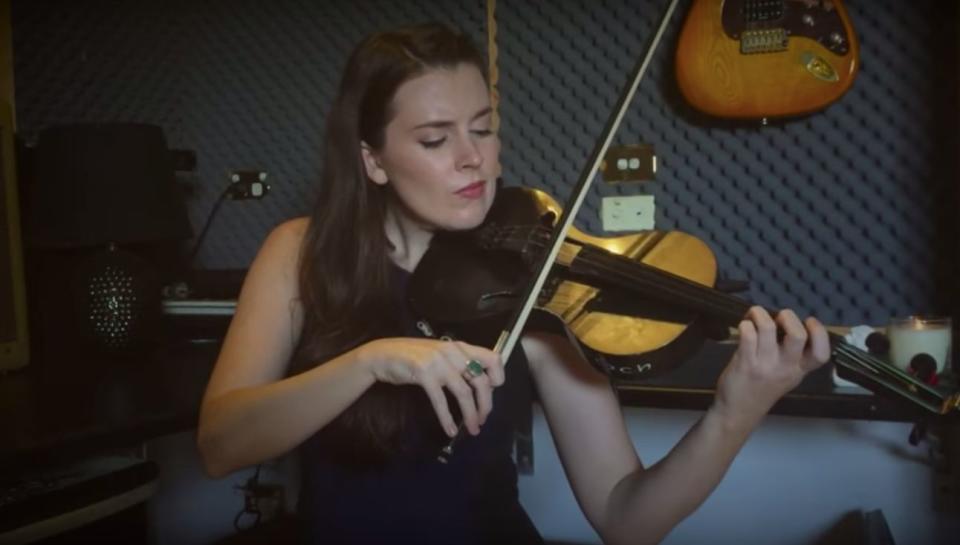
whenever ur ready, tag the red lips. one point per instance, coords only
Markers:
(474, 190)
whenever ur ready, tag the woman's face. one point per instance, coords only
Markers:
(439, 152)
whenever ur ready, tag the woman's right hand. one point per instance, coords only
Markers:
(435, 365)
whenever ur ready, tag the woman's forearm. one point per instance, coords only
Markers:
(249, 425)
(647, 504)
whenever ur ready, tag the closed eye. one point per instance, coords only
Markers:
(430, 144)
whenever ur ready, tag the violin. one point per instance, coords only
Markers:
(619, 299)
(618, 329)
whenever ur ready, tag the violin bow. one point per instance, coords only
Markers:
(511, 333)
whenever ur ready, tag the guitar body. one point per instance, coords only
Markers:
(753, 59)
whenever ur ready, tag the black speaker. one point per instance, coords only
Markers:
(101, 208)
(14, 343)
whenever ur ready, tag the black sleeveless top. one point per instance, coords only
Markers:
(413, 497)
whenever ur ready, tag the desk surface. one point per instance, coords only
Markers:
(54, 410)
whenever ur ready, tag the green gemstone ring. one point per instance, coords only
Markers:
(473, 370)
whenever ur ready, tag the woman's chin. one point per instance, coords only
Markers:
(464, 223)
(468, 218)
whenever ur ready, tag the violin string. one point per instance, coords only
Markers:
(664, 285)
(893, 378)
(902, 382)
(852, 356)
(696, 296)
(727, 306)
(844, 348)
(878, 365)
(656, 281)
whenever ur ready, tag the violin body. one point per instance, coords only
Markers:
(464, 283)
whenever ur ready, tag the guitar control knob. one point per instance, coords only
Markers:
(836, 38)
(808, 19)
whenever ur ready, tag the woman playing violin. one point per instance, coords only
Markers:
(324, 356)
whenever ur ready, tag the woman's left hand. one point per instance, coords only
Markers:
(763, 370)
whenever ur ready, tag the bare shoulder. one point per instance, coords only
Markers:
(272, 276)
(281, 249)
(289, 234)
(295, 227)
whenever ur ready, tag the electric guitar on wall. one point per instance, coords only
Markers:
(756, 59)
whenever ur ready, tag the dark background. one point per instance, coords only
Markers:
(849, 214)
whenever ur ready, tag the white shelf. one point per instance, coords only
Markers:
(200, 307)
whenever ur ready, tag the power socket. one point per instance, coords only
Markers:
(632, 163)
(248, 184)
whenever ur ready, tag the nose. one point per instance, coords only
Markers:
(468, 154)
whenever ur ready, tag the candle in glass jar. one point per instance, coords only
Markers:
(917, 334)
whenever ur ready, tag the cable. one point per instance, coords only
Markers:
(206, 226)
(250, 505)
(244, 184)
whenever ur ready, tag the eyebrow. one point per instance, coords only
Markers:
(443, 123)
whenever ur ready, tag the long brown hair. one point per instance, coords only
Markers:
(345, 270)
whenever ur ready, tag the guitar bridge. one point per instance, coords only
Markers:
(768, 40)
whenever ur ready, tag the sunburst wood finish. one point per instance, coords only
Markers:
(754, 59)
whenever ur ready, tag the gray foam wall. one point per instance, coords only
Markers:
(849, 214)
